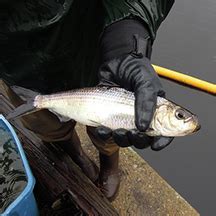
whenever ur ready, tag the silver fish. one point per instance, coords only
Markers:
(113, 108)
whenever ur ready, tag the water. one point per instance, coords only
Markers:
(186, 42)
(12, 175)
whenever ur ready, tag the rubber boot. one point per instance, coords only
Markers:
(109, 178)
(75, 151)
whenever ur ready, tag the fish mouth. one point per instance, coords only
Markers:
(197, 128)
(196, 123)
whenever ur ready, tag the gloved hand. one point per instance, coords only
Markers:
(125, 52)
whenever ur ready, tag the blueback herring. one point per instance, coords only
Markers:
(113, 108)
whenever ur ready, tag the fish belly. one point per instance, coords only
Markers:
(95, 112)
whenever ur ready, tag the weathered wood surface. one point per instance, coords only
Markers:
(56, 172)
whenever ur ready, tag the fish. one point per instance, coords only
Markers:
(111, 107)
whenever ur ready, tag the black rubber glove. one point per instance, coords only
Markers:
(125, 51)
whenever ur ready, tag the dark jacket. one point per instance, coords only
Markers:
(52, 45)
(151, 12)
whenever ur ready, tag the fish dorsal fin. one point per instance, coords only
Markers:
(161, 101)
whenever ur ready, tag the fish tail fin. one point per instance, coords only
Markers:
(22, 110)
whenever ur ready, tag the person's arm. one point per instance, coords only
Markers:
(125, 62)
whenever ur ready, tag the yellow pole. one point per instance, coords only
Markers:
(186, 79)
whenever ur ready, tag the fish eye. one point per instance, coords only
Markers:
(180, 114)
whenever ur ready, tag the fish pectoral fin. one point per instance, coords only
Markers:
(60, 117)
(94, 123)
(149, 131)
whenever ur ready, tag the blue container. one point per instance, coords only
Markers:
(24, 204)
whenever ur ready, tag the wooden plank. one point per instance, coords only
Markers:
(56, 172)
